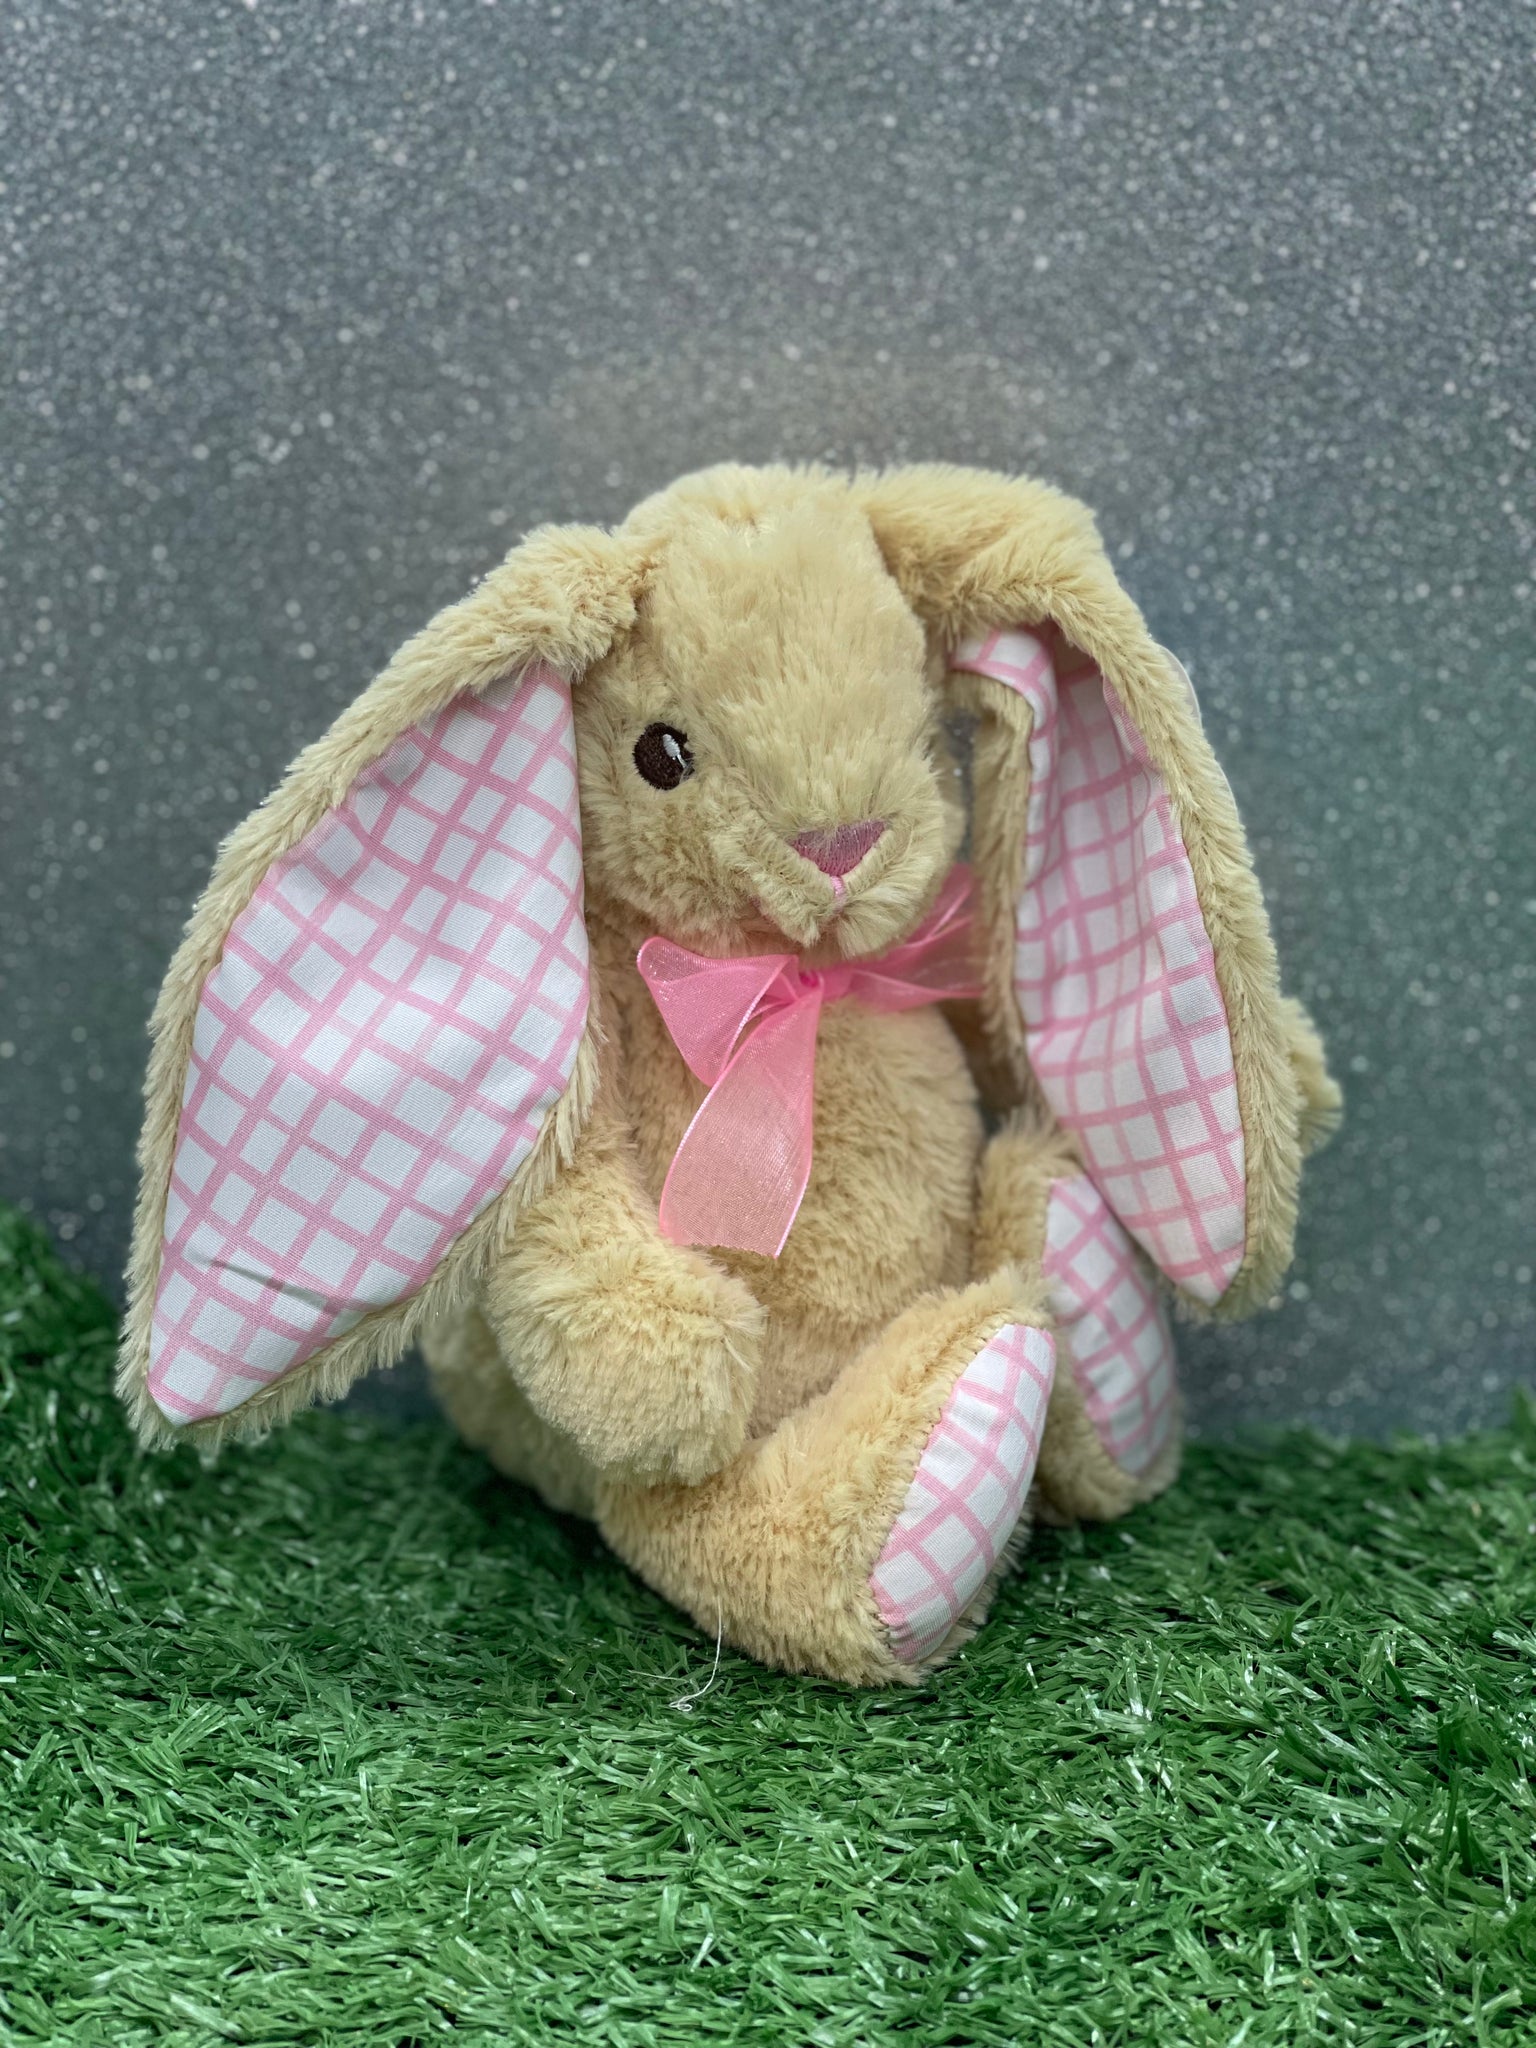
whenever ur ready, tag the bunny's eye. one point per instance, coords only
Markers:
(662, 756)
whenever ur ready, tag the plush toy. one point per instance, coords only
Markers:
(775, 999)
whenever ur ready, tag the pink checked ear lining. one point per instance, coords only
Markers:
(1125, 1022)
(395, 1014)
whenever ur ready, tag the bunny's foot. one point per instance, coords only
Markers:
(1112, 1437)
(861, 1540)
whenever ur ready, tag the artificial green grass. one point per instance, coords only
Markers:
(343, 1741)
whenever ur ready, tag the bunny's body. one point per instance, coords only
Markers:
(827, 1454)
(889, 1210)
(888, 1217)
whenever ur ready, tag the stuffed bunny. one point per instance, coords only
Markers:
(603, 1002)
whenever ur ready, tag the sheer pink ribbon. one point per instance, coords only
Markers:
(738, 1177)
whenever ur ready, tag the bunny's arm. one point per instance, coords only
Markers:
(642, 1351)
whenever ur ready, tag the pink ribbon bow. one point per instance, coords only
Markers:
(738, 1177)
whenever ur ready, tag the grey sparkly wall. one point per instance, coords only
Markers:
(309, 309)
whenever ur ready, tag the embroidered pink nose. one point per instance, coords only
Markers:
(838, 850)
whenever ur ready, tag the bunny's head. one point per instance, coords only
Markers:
(761, 756)
(724, 722)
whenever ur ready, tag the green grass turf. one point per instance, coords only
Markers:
(341, 1741)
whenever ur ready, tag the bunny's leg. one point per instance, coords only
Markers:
(490, 1411)
(1112, 1435)
(861, 1539)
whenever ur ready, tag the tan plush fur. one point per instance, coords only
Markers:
(744, 1429)
(1322, 1099)
(775, 1552)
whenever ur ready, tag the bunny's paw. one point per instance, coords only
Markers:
(643, 1351)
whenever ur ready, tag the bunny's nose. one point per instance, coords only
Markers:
(837, 850)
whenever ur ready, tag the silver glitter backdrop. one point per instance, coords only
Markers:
(310, 308)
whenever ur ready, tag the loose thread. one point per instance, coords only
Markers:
(686, 1704)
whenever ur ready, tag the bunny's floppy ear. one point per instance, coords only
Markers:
(375, 1040)
(1130, 973)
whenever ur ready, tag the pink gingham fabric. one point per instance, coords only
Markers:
(1125, 1023)
(394, 1015)
(967, 1493)
(1112, 1324)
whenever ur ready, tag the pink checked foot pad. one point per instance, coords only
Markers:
(967, 1493)
(1113, 1324)
(395, 1013)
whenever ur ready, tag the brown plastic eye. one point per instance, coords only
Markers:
(662, 756)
